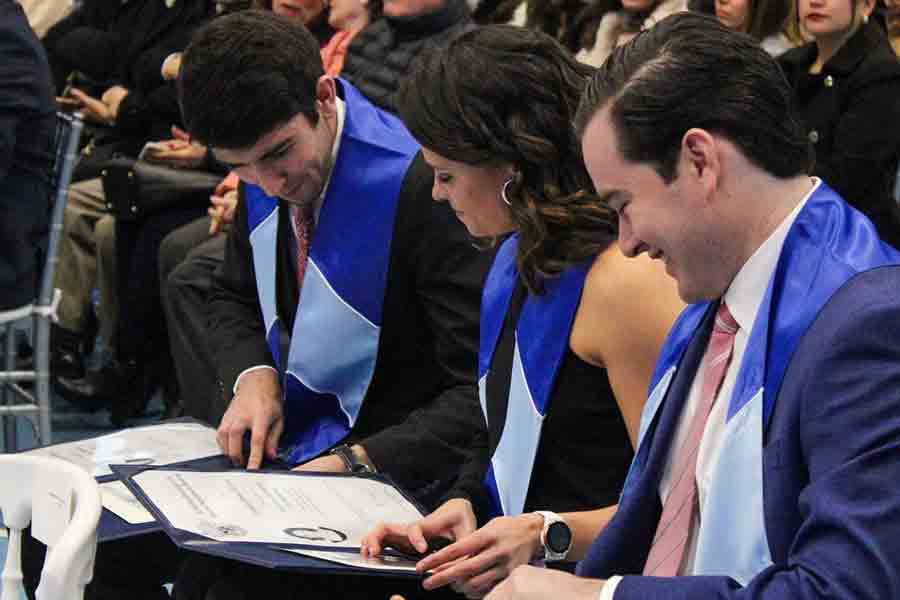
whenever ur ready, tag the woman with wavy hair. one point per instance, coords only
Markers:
(570, 328)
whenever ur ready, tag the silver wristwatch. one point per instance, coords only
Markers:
(556, 536)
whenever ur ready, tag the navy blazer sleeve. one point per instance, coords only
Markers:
(841, 434)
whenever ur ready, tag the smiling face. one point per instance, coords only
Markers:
(473, 193)
(293, 160)
(733, 13)
(668, 221)
(302, 12)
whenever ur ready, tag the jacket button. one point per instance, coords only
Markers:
(814, 136)
(829, 81)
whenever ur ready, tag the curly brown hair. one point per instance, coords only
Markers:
(502, 95)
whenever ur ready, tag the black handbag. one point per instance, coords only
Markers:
(136, 189)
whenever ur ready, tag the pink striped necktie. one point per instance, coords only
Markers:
(681, 509)
(302, 223)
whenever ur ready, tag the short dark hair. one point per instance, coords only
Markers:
(502, 95)
(245, 74)
(691, 71)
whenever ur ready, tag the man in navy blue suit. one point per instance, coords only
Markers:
(769, 454)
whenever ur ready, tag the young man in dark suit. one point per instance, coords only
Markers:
(345, 315)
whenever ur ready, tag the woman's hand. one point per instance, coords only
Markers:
(474, 565)
(221, 211)
(454, 519)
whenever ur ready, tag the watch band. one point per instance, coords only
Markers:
(351, 461)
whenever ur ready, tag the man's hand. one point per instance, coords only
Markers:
(474, 565)
(527, 583)
(454, 519)
(113, 98)
(256, 406)
(95, 110)
(221, 211)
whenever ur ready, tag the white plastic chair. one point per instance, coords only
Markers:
(70, 558)
(44, 309)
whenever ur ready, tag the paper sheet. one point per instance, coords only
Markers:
(152, 445)
(119, 499)
(275, 508)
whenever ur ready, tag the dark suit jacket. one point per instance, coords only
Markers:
(830, 456)
(851, 112)
(421, 409)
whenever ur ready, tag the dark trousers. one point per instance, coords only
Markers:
(24, 224)
(238, 581)
(187, 258)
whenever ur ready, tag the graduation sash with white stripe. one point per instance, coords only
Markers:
(542, 337)
(337, 326)
(828, 244)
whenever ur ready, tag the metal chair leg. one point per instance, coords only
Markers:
(10, 440)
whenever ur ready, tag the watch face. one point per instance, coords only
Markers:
(559, 537)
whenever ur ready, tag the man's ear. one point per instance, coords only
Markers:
(700, 160)
(326, 96)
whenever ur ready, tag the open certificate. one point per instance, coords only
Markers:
(277, 508)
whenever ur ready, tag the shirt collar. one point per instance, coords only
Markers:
(748, 287)
(335, 149)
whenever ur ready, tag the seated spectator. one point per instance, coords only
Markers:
(846, 93)
(768, 456)
(27, 134)
(571, 329)
(188, 257)
(348, 17)
(606, 24)
(82, 40)
(380, 55)
(141, 107)
(767, 21)
(103, 39)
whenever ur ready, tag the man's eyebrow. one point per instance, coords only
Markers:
(277, 149)
(270, 153)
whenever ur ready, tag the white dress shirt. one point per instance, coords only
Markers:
(743, 298)
(317, 208)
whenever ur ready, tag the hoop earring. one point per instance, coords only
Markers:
(503, 193)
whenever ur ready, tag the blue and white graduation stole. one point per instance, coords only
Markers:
(827, 244)
(542, 337)
(337, 327)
